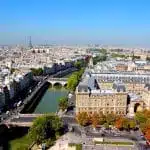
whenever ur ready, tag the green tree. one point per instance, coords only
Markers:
(103, 51)
(101, 57)
(140, 117)
(110, 119)
(78, 64)
(125, 123)
(37, 72)
(63, 103)
(12, 70)
(74, 79)
(132, 124)
(72, 82)
(44, 128)
(80, 73)
(106, 125)
(102, 118)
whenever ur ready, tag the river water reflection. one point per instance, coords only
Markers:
(49, 102)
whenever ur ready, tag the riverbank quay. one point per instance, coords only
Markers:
(30, 105)
(33, 97)
(31, 102)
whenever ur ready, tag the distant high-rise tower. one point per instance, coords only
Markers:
(30, 43)
(133, 57)
(91, 63)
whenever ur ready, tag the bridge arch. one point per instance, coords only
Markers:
(61, 82)
(50, 85)
(57, 85)
(65, 85)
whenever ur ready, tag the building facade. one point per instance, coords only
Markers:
(121, 94)
(90, 98)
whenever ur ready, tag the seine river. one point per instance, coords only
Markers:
(49, 102)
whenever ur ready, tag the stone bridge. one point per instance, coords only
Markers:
(22, 120)
(26, 120)
(54, 81)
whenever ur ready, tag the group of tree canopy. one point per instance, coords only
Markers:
(114, 55)
(98, 119)
(37, 72)
(46, 129)
(143, 119)
(81, 63)
(99, 58)
(74, 79)
(101, 55)
(100, 50)
(63, 103)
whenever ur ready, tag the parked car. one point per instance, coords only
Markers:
(7, 112)
(19, 103)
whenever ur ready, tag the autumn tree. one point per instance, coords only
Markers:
(147, 134)
(119, 123)
(145, 126)
(95, 119)
(82, 118)
(122, 122)
(146, 113)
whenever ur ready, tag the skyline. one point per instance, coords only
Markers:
(110, 22)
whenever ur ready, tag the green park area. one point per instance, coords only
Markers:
(114, 55)
(21, 143)
(75, 146)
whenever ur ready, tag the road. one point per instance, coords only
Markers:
(15, 111)
(107, 147)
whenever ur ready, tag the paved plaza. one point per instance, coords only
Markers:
(87, 144)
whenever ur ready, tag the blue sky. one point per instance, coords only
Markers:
(121, 22)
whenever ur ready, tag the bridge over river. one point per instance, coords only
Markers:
(26, 120)
(53, 81)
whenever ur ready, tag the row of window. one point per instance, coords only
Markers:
(104, 112)
(102, 103)
(145, 79)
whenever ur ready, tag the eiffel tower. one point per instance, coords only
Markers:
(30, 43)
